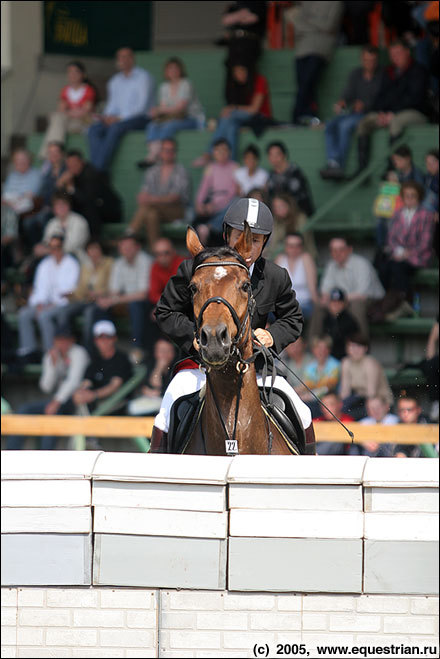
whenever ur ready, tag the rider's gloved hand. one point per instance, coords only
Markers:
(264, 337)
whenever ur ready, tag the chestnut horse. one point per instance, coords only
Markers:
(232, 420)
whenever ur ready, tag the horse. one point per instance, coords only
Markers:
(232, 420)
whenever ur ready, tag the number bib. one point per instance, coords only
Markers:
(231, 446)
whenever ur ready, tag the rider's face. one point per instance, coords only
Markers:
(257, 244)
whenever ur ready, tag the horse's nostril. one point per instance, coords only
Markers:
(223, 335)
(204, 337)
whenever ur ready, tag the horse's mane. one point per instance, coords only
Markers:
(221, 252)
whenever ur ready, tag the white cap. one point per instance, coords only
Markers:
(104, 327)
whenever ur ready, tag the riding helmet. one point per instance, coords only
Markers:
(257, 215)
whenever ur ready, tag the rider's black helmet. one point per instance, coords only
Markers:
(257, 215)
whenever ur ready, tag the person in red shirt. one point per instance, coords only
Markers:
(248, 104)
(334, 404)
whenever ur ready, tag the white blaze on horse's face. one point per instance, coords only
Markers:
(220, 272)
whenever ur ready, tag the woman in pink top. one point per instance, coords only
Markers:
(76, 103)
(217, 190)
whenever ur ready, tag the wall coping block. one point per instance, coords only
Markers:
(53, 465)
(411, 472)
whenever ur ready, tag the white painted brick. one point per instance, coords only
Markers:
(72, 597)
(274, 621)
(9, 597)
(382, 604)
(243, 602)
(420, 641)
(220, 620)
(355, 623)
(132, 652)
(71, 637)
(247, 640)
(381, 639)
(125, 599)
(9, 615)
(141, 619)
(314, 622)
(288, 638)
(221, 653)
(29, 636)
(9, 635)
(44, 617)
(97, 618)
(181, 639)
(31, 596)
(180, 620)
(7, 652)
(424, 605)
(98, 652)
(44, 652)
(180, 653)
(289, 602)
(409, 625)
(198, 601)
(312, 639)
(130, 638)
(328, 603)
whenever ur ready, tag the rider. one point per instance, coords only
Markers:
(272, 290)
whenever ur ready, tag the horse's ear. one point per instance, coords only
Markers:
(193, 243)
(244, 244)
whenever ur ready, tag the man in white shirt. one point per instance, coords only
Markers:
(130, 95)
(64, 366)
(55, 278)
(354, 275)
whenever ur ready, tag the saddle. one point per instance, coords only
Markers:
(187, 409)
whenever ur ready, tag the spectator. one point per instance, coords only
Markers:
(9, 240)
(334, 404)
(216, 191)
(245, 25)
(409, 411)
(250, 176)
(92, 195)
(108, 370)
(430, 182)
(165, 194)
(93, 283)
(248, 104)
(400, 102)
(354, 275)
(288, 218)
(378, 411)
(403, 164)
(63, 369)
(178, 109)
(258, 193)
(156, 380)
(302, 271)
(338, 322)
(362, 377)
(55, 278)
(356, 100)
(128, 288)
(356, 23)
(316, 32)
(297, 358)
(286, 177)
(130, 96)
(73, 226)
(430, 370)
(75, 107)
(321, 375)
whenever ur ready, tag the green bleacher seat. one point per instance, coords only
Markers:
(402, 326)
(407, 377)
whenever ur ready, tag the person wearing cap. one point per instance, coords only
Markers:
(338, 322)
(273, 293)
(63, 369)
(108, 370)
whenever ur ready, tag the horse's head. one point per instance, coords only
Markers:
(222, 298)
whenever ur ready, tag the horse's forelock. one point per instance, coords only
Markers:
(224, 252)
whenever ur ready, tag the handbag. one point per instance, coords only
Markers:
(388, 200)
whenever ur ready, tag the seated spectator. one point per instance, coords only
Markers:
(64, 365)
(430, 181)
(248, 104)
(92, 195)
(321, 375)
(108, 370)
(297, 358)
(409, 411)
(362, 377)
(130, 96)
(378, 411)
(288, 178)
(302, 271)
(156, 380)
(56, 277)
(93, 283)
(250, 176)
(400, 102)
(356, 100)
(178, 109)
(73, 226)
(338, 323)
(334, 404)
(128, 288)
(10, 256)
(165, 194)
(288, 218)
(260, 194)
(354, 275)
(403, 165)
(216, 191)
(75, 107)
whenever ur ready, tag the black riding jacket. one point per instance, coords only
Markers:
(271, 288)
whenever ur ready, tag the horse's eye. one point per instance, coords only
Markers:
(246, 286)
(193, 289)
